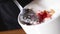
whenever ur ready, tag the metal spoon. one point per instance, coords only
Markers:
(21, 14)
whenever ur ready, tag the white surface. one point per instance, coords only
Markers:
(49, 27)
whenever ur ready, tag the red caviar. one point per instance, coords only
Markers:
(44, 14)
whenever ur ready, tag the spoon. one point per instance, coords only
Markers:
(22, 12)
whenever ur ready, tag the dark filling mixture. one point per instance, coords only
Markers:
(29, 16)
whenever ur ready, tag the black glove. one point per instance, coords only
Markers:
(9, 14)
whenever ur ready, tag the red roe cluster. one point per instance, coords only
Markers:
(45, 14)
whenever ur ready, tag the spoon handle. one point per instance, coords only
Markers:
(18, 5)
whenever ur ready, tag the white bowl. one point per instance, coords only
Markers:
(48, 27)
